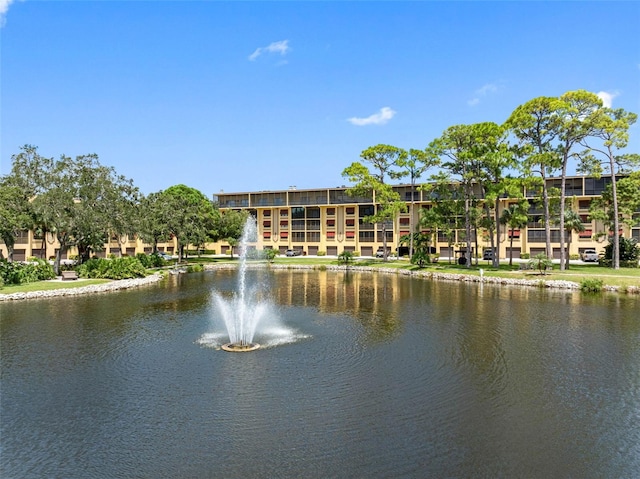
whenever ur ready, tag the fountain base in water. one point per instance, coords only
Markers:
(239, 348)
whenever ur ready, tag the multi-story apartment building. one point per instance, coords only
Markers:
(331, 221)
(30, 244)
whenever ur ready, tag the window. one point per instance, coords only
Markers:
(366, 210)
(595, 186)
(284, 234)
(331, 234)
(313, 225)
(266, 224)
(389, 235)
(266, 235)
(405, 221)
(298, 236)
(284, 223)
(313, 237)
(284, 213)
(350, 222)
(331, 222)
(350, 234)
(366, 236)
(331, 211)
(313, 212)
(350, 211)
(266, 213)
(297, 212)
(586, 234)
(538, 236)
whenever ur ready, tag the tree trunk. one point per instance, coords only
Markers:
(413, 185)
(467, 217)
(496, 219)
(563, 252)
(547, 216)
(511, 248)
(615, 253)
(384, 241)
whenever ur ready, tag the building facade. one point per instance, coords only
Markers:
(31, 245)
(329, 221)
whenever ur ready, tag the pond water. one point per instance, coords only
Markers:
(360, 375)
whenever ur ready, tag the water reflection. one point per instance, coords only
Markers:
(387, 377)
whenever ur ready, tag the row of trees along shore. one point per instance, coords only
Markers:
(81, 203)
(481, 163)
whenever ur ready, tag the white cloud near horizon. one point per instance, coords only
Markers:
(4, 7)
(607, 97)
(383, 116)
(482, 92)
(281, 47)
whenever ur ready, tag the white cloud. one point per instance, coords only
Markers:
(482, 92)
(607, 97)
(4, 6)
(281, 47)
(383, 116)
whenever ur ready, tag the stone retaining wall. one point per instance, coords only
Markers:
(452, 277)
(91, 289)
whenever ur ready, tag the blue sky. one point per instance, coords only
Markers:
(248, 96)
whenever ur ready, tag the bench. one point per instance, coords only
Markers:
(69, 275)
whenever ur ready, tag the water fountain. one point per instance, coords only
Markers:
(242, 314)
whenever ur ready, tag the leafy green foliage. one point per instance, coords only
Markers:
(190, 216)
(591, 285)
(345, 257)
(629, 250)
(422, 251)
(383, 159)
(150, 260)
(20, 273)
(270, 254)
(541, 262)
(118, 268)
(195, 268)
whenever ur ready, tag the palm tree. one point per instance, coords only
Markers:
(515, 217)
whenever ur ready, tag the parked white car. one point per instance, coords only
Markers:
(590, 255)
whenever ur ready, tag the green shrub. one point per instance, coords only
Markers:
(270, 254)
(525, 255)
(345, 257)
(117, 268)
(145, 260)
(574, 256)
(195, 268)
(20, 273)
(623, 264)
(591, 285)
(541, 262)
(321, 253)
(629, 250)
